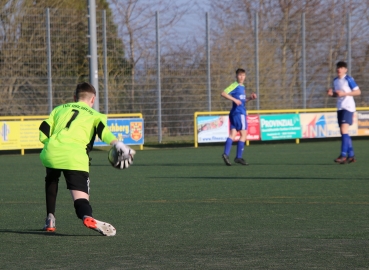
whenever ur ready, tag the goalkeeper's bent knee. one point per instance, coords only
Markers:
(83, 208)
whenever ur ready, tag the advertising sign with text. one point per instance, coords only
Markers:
(212, 128)
(280, 127)
(253, 128)
(129, 131)
(363, 123)
(20, 135)
(324, 125)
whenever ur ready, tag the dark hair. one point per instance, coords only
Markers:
(83, 90)
(240, 70)
(341, 64)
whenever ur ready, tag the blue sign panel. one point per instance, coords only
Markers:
(130, 131)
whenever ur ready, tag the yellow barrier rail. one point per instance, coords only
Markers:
(42, 117)
(196, 114)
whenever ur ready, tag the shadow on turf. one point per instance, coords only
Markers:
(185, 164)
(41, 232)
(257, 178)
(222, 164)
(295, 164)
(161, 164)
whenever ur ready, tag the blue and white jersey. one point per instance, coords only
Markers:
(346, 84)
(238, 92)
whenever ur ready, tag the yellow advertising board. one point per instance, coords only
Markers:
(22, 132)
(19, 135)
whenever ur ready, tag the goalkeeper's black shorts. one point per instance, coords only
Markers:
(76, 180)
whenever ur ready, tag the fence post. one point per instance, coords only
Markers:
(106, 75)
(158, 82)
(49, 78)
(257, 60)
(303, 52)
(349, 43)
(93, 50)
(208, 60)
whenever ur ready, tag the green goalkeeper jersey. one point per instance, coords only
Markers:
(68, 136)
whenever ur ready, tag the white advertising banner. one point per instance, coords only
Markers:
(324, 125)
(363, 123)
(212, 128)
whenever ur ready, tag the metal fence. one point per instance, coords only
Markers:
(44, 54)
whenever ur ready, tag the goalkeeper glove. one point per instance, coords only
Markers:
(125, 155)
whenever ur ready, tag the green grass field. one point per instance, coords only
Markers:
(292, 208)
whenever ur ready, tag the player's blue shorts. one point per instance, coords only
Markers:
(238, 121)
(344, 117)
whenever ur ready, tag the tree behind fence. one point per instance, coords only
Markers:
(132, 85)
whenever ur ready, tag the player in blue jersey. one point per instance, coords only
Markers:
(344, 88)
(236, 92)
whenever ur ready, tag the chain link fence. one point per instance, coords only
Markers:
(290, 64)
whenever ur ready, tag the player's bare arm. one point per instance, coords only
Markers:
(331, 93)
(113, 142)
(251, 97)
(229, 97)
(353, 93)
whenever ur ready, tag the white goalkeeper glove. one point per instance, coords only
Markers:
(125, 155)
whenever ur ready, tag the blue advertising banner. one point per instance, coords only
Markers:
(280, 127)
(127, 130)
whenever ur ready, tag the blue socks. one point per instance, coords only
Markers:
(350, 148)
(345, 144)
(240, 147)
(228, 146)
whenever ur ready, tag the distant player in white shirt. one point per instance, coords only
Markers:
(344, 88)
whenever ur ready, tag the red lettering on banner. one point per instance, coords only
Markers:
(253, 128)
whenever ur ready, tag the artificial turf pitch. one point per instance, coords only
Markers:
(292, 208)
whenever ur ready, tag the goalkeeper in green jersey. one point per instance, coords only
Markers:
(68, 136)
